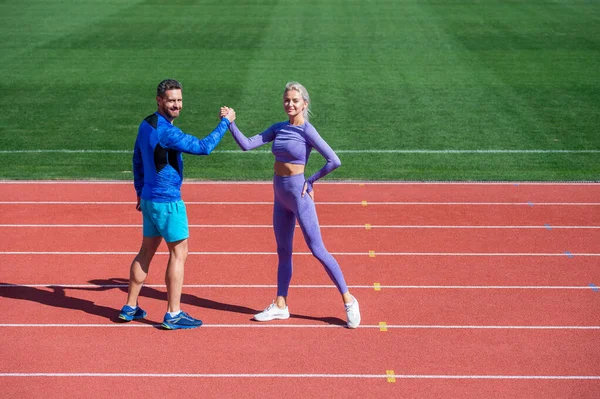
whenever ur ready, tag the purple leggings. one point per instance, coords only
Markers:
(289, 206)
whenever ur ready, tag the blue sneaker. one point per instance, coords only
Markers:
(181, 320)
(128, 313)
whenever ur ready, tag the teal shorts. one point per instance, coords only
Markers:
(165, 219)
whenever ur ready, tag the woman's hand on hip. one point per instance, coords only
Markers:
(311, 193)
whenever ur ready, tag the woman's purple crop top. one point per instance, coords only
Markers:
(291, 144)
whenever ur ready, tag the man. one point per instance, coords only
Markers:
(158, 174)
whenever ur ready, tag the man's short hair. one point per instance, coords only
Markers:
(167, 84)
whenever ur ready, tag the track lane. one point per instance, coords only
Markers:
(209, 351)
(358, 270)
(318, 306)
(325, 191)
(329, 214)
(425, 388)
(354, 240)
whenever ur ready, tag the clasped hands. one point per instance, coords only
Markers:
(228, 113)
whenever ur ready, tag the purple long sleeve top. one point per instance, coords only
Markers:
(291, 144)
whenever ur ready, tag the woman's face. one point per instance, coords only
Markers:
(293, 103)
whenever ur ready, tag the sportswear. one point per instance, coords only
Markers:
(272, 312)
(128, 313)
(352, 313)
(157, 160)
(181, 320)
(290, 207)
(291, 144)
(165, 219)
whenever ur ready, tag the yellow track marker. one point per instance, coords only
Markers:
(361, 184)
(390, 374)
(382, 326)
(364, 203)
(371, 254)
(368, 226)
(377, 286)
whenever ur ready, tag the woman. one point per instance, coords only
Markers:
(293, 141)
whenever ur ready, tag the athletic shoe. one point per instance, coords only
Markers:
(180, 321)
(128, 313)
(272, 312)
(352, 313)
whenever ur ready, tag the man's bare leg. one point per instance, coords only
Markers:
(139, 268)
(178, 251)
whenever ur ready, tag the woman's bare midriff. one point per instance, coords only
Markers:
(288, 169)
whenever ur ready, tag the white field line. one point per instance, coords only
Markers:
(370, 287)
(299, 376)
(366, 203)
(325, 182)
(269, 226)
(339, 151)
(288, 326)
(369, 254)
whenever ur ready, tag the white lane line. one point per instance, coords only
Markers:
(368, 203)
(302, 326)
(269, 226)
(369, 254)
(339, 151)
(255, 286)
(298, 376)
(560, 184)
(326, 182)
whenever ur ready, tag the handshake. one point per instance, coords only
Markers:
(228, 113)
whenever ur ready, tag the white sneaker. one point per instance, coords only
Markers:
(352, 313)
(272, 312)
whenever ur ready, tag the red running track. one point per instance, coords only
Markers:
(507, 310)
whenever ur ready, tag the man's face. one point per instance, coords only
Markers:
(170, 104)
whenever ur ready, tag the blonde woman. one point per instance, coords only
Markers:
(293, 141)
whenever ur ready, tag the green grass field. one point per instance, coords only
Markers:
(450, 89)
